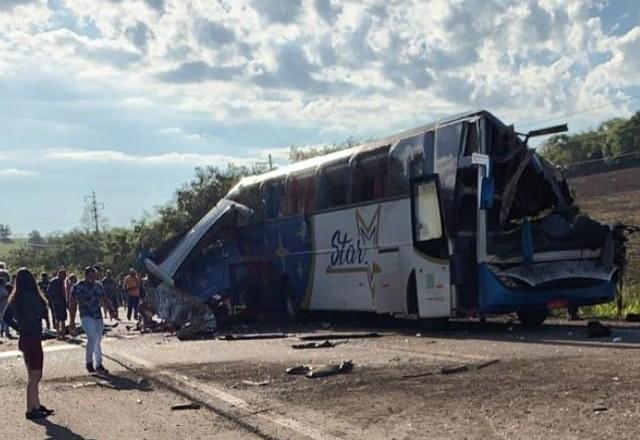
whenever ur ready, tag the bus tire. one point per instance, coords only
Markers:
(532, 318)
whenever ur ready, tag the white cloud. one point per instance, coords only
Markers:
(16, 172)
(171, 158)
(338, 65)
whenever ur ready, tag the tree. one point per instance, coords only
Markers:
(35, 238)
(612, 138)
(297, 154)
(5, 233)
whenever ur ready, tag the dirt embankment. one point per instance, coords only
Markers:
(614, 197)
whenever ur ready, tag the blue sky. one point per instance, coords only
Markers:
(126, 97)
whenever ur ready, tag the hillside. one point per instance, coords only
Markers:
(614, 197)
(5, 248)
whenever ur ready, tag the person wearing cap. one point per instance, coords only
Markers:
(90, 296)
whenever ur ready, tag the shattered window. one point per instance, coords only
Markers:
(335, 179)
(302, 195)
(275, 200)
(407, 161)
(370, 176)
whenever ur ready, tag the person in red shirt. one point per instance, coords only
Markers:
(132, 286)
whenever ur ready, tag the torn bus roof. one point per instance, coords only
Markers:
(224, 212)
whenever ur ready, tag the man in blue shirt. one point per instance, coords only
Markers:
(90, 296)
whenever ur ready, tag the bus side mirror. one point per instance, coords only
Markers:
(487, 190)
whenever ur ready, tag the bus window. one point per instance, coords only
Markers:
(405, 163)
(333, 186)
(369, 177)
(302, 194)
(250, 197)
(427, 220)
(275, 200)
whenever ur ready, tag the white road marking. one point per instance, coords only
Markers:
(234, 401)
(49, 349)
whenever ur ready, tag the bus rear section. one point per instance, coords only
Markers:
(520, 228)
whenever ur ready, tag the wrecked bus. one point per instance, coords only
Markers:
(454, 218)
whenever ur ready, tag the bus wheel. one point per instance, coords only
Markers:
(532, 318)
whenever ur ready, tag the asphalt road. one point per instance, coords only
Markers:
(515, 383)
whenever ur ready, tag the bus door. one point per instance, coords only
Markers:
(433, 284)
(389, 296)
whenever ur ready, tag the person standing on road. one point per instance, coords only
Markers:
(90, 296)
(110, 286)
(5, 287)
(72, 304)
(132, 285)
(56, 293)
(43, 284)
(24, 314)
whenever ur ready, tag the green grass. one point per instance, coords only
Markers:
(631, 304)
(5, 248)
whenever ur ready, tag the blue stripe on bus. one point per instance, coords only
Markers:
(496, 298)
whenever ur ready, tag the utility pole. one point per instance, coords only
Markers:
(94, 210)
(270, 163)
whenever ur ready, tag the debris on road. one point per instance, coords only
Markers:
(299, 370)
(414, 376)
(599, 409)
(487, 364)
(330, 370)
(252, 336)
(339, 336)
(314, 372)
(312, 345)
(252, 383)
(597, 330)
(454, 369)
(185, 406)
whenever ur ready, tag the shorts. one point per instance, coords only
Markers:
(31, 348)
(60, 312)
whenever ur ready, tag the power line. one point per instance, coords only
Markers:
(578, 112)
(94, 210)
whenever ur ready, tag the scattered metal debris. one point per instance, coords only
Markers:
(330, 370)
(299, 370)
(339, 336)
(312, 345)
(252, 383)
(252, 336)
(454, 369)
(414, 376)
(486, 364)
(314, 372)
(597, 330)
(186, 406)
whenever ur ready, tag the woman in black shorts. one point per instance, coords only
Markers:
(24, 313)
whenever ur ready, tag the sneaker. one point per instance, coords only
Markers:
(35, 414)
(43, 409)
(90, 368)
(102, 370)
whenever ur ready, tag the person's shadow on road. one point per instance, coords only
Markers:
(57, 432)
(121, 383)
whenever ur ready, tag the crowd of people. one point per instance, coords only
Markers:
(25, 303)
